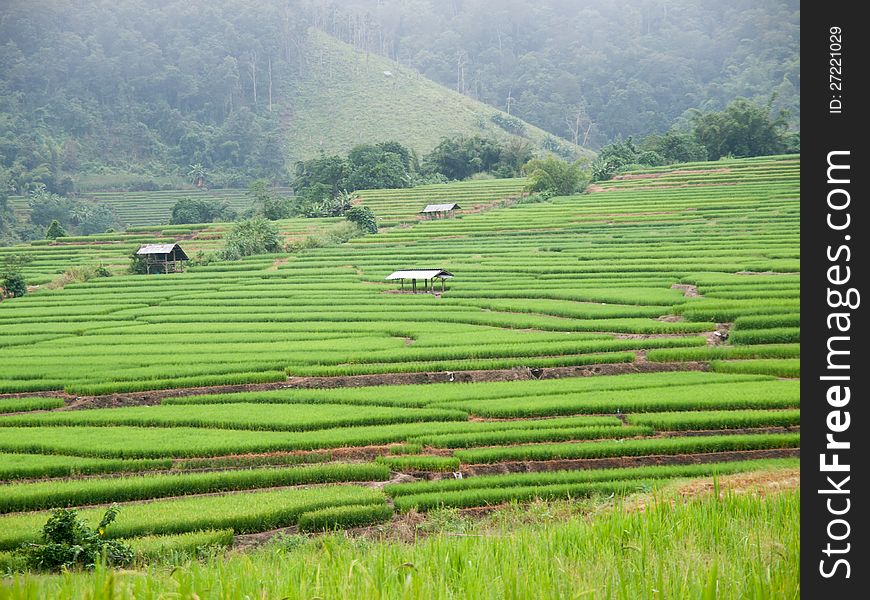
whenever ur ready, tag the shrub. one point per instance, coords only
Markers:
(252, 236)
(12, 283)
(554, 175)
(55, 230)
(363, 217)
(68, 541)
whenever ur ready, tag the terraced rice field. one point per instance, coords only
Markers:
(50, 259)
(404, 205)
(598, 344)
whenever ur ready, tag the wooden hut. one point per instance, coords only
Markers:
(427, 276)
(439, 211)
(163, 258)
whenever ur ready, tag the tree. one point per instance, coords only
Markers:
(54, 231)
(12, 282)
(252, 236)
(67, 541)
(46, 207)
(268, 204)
(328, 171)
(742, 129)
(675, 147)
(363, 217)
(373, 166)
(554, 176)
(197, 174)
(92, 217)
(462, 156)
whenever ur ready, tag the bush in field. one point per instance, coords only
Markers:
(554, 176)
(363, 217)
(12, 282)
(68, 541)
(252, 236)
(55, 230)
(79, 274)
(138, 264)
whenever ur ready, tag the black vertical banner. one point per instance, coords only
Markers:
(835, 432)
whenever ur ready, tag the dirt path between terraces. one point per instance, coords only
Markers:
(624, 461)
(152, 397)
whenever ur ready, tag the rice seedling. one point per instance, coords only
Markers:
(679, 445)
(35, 496)
(243, 512)
(343, 517)
(718, 419)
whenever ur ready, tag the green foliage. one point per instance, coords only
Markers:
(509, 123)
(742, 129)
(363, 217)
(462, 156)
(67, 541)
(751, 542)
(197, 210)
(197, 175)
(138, 264)
(374, 166)
(12, 281)
(672, 147)
(54, 231)
(268, 204)
(554, 176)
(251, 236)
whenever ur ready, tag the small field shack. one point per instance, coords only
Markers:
(439, 211)
(427, 276)
(162, 258)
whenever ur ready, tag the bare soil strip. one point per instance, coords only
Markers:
(624, 461)
(689, 290)
(152, 397)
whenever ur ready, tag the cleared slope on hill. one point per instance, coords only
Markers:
(346, 97)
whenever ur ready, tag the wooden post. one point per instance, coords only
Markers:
(414, 286)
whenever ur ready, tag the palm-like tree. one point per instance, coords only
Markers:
(197, 175)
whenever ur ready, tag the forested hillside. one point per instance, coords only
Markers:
(588, 70)
(122, 93)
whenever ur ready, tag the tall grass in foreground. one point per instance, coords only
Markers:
(737, 546)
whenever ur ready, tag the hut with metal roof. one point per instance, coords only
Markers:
(427, 276)
(439, 211)
(162, 258)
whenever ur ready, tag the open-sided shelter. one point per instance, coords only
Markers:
(163, 258)
(437, 211)
(427, 276)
